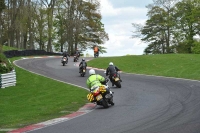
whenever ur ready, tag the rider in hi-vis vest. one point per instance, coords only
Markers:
(94, 79)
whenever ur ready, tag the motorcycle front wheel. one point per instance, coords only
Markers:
(111, 102)
(104, 103)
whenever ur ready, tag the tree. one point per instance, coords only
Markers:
(187, 18)
(2, 5)
(158, 28)
(50, 10)
(52, 24)
(94, 32)
(41, 36)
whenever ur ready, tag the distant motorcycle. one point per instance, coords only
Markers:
(75, 58)
(96, 54)
(101, 95)
(64, 61)
(83, 71)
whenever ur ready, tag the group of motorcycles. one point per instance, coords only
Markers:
(64, 60)
(101, 95)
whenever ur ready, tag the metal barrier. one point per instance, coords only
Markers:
(8, 79)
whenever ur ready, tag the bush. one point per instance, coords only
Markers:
(5, 65)
(196, 48)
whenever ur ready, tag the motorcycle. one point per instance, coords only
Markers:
(75, 58)
(116, 80)
(101, 95)
(96, 54)
(64, 61)
(83, 71)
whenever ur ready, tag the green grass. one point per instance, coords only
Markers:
(169, 65)
(36, 98)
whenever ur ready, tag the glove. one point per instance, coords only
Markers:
(104, 82)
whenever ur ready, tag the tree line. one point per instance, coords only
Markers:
(51, 25)
(173, 26)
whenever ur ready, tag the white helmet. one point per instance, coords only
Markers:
(110, 64)
(92, 71)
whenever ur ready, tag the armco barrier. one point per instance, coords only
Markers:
(8, 79)
(18, 53)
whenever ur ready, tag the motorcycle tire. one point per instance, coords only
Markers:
(118, 84)
(104, 103)
(82, 74)
(111, 101)
(63, 63)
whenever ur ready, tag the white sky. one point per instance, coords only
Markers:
(117, 17)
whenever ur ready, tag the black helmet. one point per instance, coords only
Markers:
(83, 59)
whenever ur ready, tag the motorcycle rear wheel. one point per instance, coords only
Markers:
(82, 74)
(118, 84)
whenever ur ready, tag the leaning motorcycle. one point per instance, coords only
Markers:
(116, 80)
(101, 95)
(64, 61)
(83, 71)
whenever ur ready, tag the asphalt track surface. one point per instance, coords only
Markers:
(144, 104)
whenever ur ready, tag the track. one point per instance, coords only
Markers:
(144, 104)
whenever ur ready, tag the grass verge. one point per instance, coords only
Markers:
(36, 98)
(169, 65)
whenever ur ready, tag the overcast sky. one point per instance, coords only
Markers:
(117, 17)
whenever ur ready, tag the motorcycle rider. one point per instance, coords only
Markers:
(82, 64)
(111, 70)
(77, 53)
(95, 79)
(96, 50)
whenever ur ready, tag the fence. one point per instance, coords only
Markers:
(17, 53)
(8, 79)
